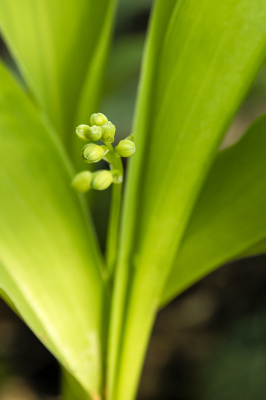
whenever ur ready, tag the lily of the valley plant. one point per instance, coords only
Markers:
(187, 207)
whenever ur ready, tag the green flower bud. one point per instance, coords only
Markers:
(98, 119)
(125, 148)
(108, 130)
(82, 181)
(101, 180)
(94, 133)
(92, 153)
(81, 131)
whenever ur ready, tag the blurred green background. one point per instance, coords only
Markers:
(209, 343)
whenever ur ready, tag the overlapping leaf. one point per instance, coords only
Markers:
(197, 76)
(49, 261)
(230, 216)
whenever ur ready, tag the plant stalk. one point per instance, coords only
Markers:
(113, 228)
(115, 212)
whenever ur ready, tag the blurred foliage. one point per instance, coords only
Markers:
(132, 13)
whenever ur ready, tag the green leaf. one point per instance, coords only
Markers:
(71, 389)
(49, 260)
(198, 72)
(158, 25)
(229, 218)
(256, 249)
(60, 47)
(8, 301)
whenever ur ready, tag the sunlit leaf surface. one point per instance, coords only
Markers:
(199, 67)
(49, 261)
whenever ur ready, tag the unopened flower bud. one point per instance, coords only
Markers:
(108, 132)
(101, 180)
(81, 131)
(98, 119)
(82, 181)
(125, 148)
(92, 153)
(94, 133)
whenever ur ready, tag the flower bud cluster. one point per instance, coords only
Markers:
(101, 129)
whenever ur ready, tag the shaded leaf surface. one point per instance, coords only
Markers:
(230, 215)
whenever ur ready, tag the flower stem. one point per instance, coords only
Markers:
(113, 227)
(115, 211)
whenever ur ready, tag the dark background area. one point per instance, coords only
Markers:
(210, 342)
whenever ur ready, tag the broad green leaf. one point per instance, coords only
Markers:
(49, 260)
(198, 72)
(158, 24)
(71, 389)
(256, 249)
(7, 300)
(229, 218)
(60, 47)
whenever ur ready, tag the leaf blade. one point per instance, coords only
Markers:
(49, 261)
(203, 71)
(229, 217)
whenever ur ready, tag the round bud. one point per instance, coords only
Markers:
(94, 133)
(125, 148)
(92, 153)
(82, 181)
(101, 180)
(98, 119)
(81, 131)
(108, 132)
